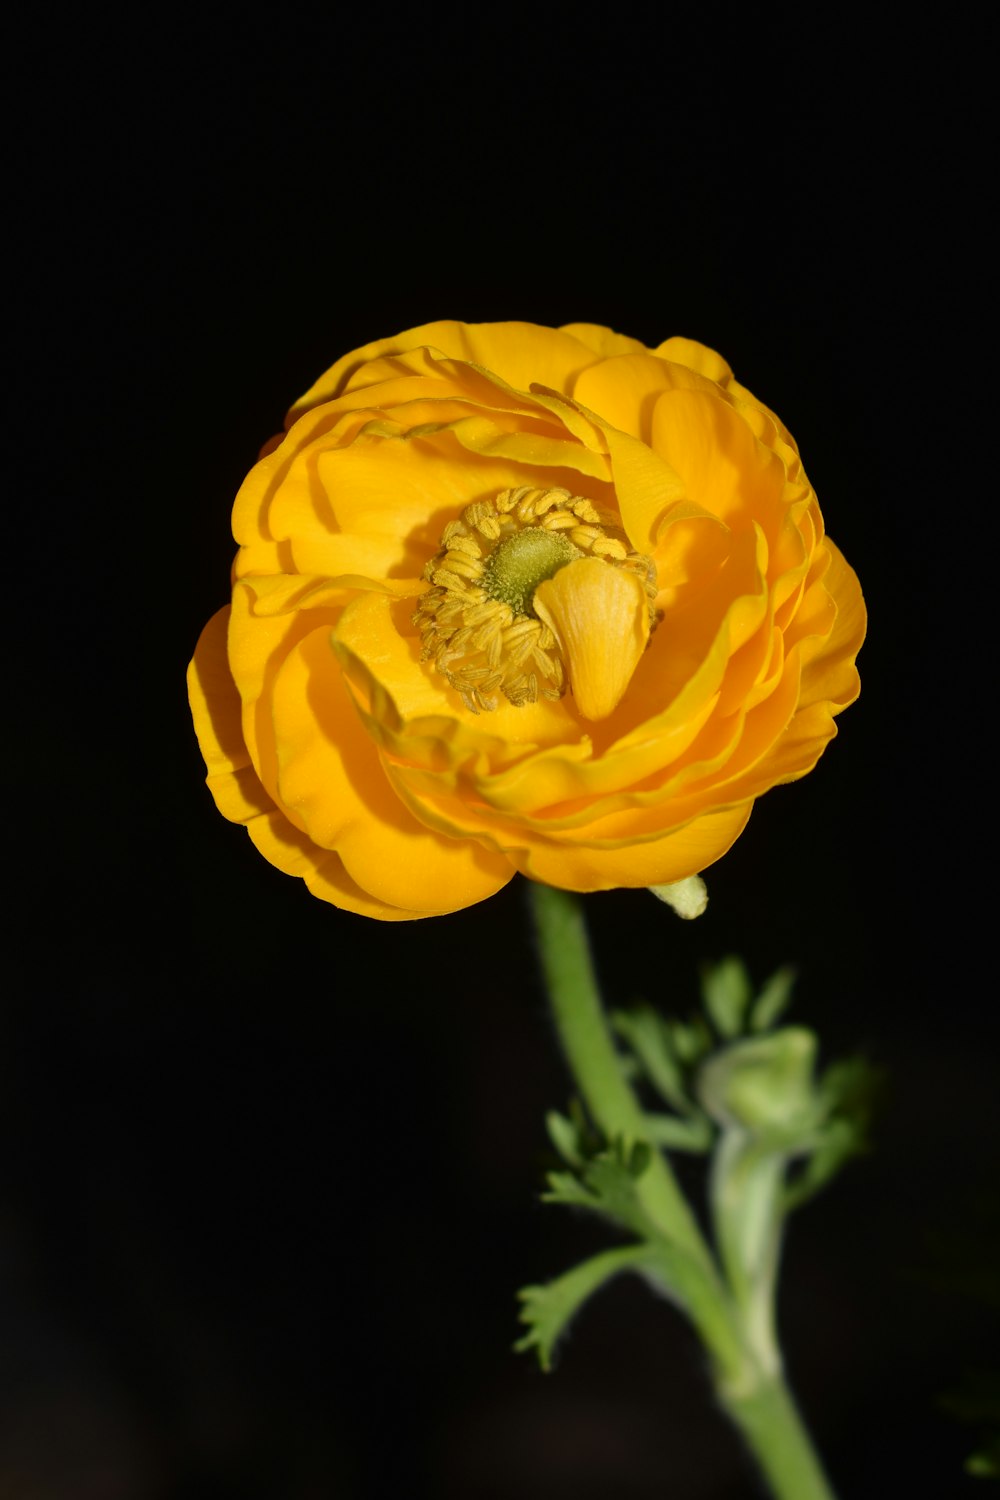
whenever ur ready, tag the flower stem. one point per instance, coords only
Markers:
(754, 1396)
(774, 1432)
(594, 1063)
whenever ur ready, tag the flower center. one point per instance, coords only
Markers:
(516, 567)
(484, 631)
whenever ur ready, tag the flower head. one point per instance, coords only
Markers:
(511, 598)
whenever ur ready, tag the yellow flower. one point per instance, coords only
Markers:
(511, 598)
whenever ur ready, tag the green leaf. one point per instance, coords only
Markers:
(605, 1185)
(690, 1041)
(694, 1134)
(726, 991)
(852, 1088)
(849, 1091)
(566, 1188)
(838, 1142)
(649, 1038)
(773, 1000)
(548, 1309)
(565, 1137)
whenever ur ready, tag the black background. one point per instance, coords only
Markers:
(269, 1172)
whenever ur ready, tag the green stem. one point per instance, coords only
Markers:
(770, 1423)
(593, 1060)
(755, 1398)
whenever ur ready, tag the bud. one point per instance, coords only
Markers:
(688, 898)
(764, 1084)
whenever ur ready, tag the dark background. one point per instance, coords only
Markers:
(269, 1172)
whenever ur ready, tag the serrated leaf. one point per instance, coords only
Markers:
(726, 991)
(613, 1183)
(851, 1088)
(565, 1137)
(606, 1185)
(548, 1309)
(773, 999)
(839, 1140)
(649, 1038)
(848, 1091)
(564, 1187)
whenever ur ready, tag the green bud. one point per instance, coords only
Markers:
(763, 1084)
(688, 898)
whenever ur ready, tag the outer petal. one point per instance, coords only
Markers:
(674, 857)
(624, 390)
(239, 795)
(216, 710)
(323, 872)
(331, 778)
(721, 464)
(831, 675)
(519, 353)
(603, 341)
(695, 356)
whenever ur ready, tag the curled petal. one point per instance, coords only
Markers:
(600, 617)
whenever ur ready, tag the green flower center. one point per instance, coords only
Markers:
(513, 571)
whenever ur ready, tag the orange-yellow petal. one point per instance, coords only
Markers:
(695, 356)
(599, 614)
(330, 777)
(720, 462)
(687, 851)
(291, 852)
(518, 352)
(216, 710)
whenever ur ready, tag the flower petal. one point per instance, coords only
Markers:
(830, 675)
(646, 485)
(216, 710)
(722, 466)
(518, 352)
(331, 779)
(293, 853)
(687, 851)
(603, 341)
(600, 617)
(695, 356)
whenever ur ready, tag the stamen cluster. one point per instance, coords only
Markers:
(478, 626)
